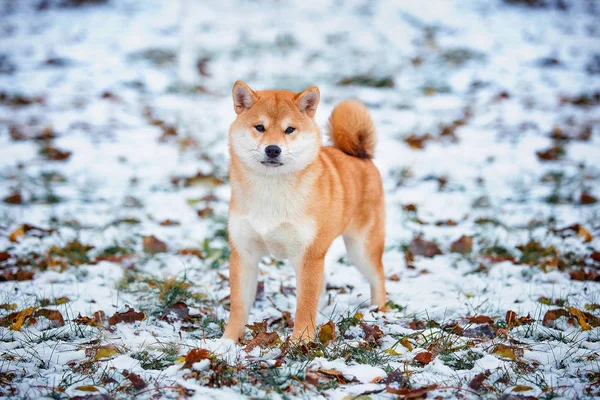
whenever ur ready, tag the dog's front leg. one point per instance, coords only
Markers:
(309, 279)
(243, 273)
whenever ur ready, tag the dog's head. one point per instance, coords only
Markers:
(274, 132)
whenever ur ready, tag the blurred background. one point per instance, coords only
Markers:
(114, 117)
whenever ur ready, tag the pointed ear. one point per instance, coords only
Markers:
(308, 100)
(243, 97)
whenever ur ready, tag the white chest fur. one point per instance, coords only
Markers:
(271, 218)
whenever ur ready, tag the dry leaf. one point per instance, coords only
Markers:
(17, 234)
(14, 198)
(327, 333)
(584, 234)
(373, 334)
(106, 351)
(53, 315)
(481, 319)
(129, 316)
(20, 318)
(553, 315)
(587, 198)
(176, 312)
(421, 247)
(406, 343)
(478, 380)
(424, 357)
(196, 355)
(337, 375)
(262, 340)
(18, 275)
(581, 318)
(463, 245)
(505, 351)
(152, 245)
(408, 394)
(87, 388)
(258, 327)
(136, 381)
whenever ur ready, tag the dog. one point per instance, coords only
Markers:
(291, 197)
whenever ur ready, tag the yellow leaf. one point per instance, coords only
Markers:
(21, 318)
(505, 351)
(521, 388)
(105, 352)
(180, 360)
(393, 352)
(8, 306)
(16, 234)
(327, 333)
(358, 316)
(584, 234)
(581, 318)
(87, 388)
(404, 342)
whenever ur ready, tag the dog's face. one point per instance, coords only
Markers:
(274, 132)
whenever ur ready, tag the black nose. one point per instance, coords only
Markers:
(273, 151)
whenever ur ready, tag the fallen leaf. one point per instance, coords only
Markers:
(421, 247)
(53, 315)
(20, 318)
(521, 388)
(587, 198)
(176, 312)
(152, 245)
(258, 327)
(424, 357)
(373, 334)
(553, 315)
(582, 275)
(17, 234)
(87, 388)
(406, 343)
(191, 252)
(481, 319)
(168, 222)
(18, 275)
(337, 375)
(552, 153)
(408, 394)
(581, 318)
(463, 245)
(13, 306)
(14, 198)
(196, 355)
(394, 278)
(262, 340)
(505, 351)
(584, 234)
(136, 381)
(129, 316)
(417, 141)
(106, 351)
(327, 333)
(480, 331)
(478, 380)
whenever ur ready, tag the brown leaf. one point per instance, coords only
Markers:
(327, 333)
(176, 312)
(262, 340)
(191, 252)
(129, 317)
(584, 234)
(287, 290)
(409, 259)
(337, 375)
(260, 291)
(417, 141)
(53, 315)
(18, 275)
(587, 198)
(136, 381)
(258, 327)
(54, 154)
(582, 275)
(312, 377)
(421, 247)
(411, 393)
(373, 334)
(14, 198)
(168, 222)
(463, 245)
(17, 234)
(4, 256)
(553, 315)
(152, 245)
(424, 357)
(394, 278)
(97, 320)
(480, 331)
(512, 320)
(481, 319)
(478, 380)
(196, 355)
(551, 154)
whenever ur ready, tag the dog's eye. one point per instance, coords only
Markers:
(289, 130)
(259, 128)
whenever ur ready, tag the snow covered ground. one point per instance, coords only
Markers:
(113, 174)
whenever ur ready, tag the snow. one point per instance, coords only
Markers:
(126, 60)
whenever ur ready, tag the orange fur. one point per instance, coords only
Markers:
(351, 129)
(295, 210)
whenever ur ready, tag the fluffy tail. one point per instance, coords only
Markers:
(351, 129)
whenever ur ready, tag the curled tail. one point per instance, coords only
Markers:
(351, 129)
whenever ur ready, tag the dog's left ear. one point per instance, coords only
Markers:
(308, 100)
(243, 97)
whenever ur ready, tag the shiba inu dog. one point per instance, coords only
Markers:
(291, 197)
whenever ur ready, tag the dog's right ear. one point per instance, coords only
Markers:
(243, 97)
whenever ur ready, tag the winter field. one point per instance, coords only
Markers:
(113, 199)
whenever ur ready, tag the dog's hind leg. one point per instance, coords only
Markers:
(365, 250)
